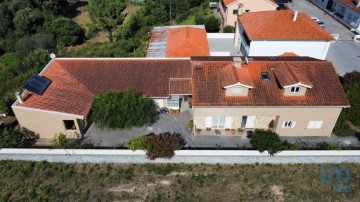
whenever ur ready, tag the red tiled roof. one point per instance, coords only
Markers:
(229, 75)
(351, 4)
(180, 86)
(227, 2)
(285, 54)
(288, 74)
(327, 90)
(74, 82)
(279, 25)
(186, 42)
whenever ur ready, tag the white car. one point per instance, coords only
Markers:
(315, 19)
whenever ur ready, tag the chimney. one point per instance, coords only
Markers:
(295, 15)
(237, 62)
(18, 97)
(240, 6)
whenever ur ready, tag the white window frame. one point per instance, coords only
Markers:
(288, 124)
(315, 124)
(295, 89)
(217, 119)
(236, 90)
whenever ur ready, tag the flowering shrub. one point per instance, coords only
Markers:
(162, 145)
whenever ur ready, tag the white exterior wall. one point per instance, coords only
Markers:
(315, 49)
(160, 102)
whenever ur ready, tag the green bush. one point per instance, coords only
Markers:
(200, 19)
(229, 29)
(190, 124)
(266, 141)
(329, 146)
(123, 110)
(66, 31)
(61, 141)
(138, 143)
(212, 24)
(342, 128)
(290, 146)
(12, 139)
(3, 106)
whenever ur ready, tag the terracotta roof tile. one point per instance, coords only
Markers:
(286, 54)
(279, 25)
(228, 76)
(74, 82)
(244, 77)
(288, 74)
(186, 42)
(227, 2)
(180, 86)
(327, 90)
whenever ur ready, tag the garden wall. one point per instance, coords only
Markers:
(183, 156)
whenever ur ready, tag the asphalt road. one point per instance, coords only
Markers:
(344, 52)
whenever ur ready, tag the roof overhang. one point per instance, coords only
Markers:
(297, 84)
(238, 84)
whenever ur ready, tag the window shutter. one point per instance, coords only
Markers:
(228, 121)
(318, 124)
(311, 124)
(208, 122)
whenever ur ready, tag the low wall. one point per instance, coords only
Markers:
(183, 156)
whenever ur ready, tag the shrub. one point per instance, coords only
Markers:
(190, 124)
(199, 19)
(229, 29)
(290, 146)
(342, 128)
(123, 110)
(16, 139)
(138, 143)
(212, 24)
(163, 145)
(3, 106)
(266, 141)
(61, 141)
(352, 89)
(328, 146)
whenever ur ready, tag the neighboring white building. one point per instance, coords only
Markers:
(273, 33)
(347, 10)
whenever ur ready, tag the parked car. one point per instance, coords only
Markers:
(321, 23)
(315, 19)
(213, 4)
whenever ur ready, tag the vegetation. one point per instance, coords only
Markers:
(3, 106)
(107, 14)
(16, 139)
(266, 141)
(61, 141)
(229, 29)
(162, 145)
(123, 110)
(351, 84)
(44, 181)
(212, 24)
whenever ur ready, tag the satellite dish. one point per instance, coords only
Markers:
(52, 55)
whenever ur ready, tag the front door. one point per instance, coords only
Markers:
(250, 122)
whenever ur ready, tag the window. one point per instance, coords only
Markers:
(265, 76)
(350, 16)
(288, 124)
(356, 19)
(236, 90)
(343, 9)
(247, 10)
(69, 124)
(218, 122)
(295, 89)
(315, 124)
(235, 11)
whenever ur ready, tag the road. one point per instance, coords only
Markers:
(344, 52)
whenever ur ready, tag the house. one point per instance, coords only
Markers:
(230, 9)
(64, 104)
(295, 96)
(347, 10)
(178, 41)
(272, 33)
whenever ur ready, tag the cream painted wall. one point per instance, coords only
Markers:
(302, 91)
(252, 5)
(161, 102)
(46, 124)
(301, 116)
(244, 91)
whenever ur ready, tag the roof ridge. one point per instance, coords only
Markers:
(77, 80)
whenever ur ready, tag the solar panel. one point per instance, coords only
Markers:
(265, 76)
(37, 84)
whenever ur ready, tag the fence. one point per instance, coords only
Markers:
(183, 156)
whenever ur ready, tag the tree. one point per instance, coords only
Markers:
(199, 19)
(36, 60)
(6, 20)
(266, 141)
(229, 29)
(54, 6)
(107, 14)
(122, 110)
(3, 106)
(11, 139)
(27, 20)
(212, 24)
(66, 31)
(26, 45)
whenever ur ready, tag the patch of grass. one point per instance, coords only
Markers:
(44, 181)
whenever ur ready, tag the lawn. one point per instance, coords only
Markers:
(190, 20)
(43, 181)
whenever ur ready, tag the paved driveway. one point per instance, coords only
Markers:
(345, 52)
